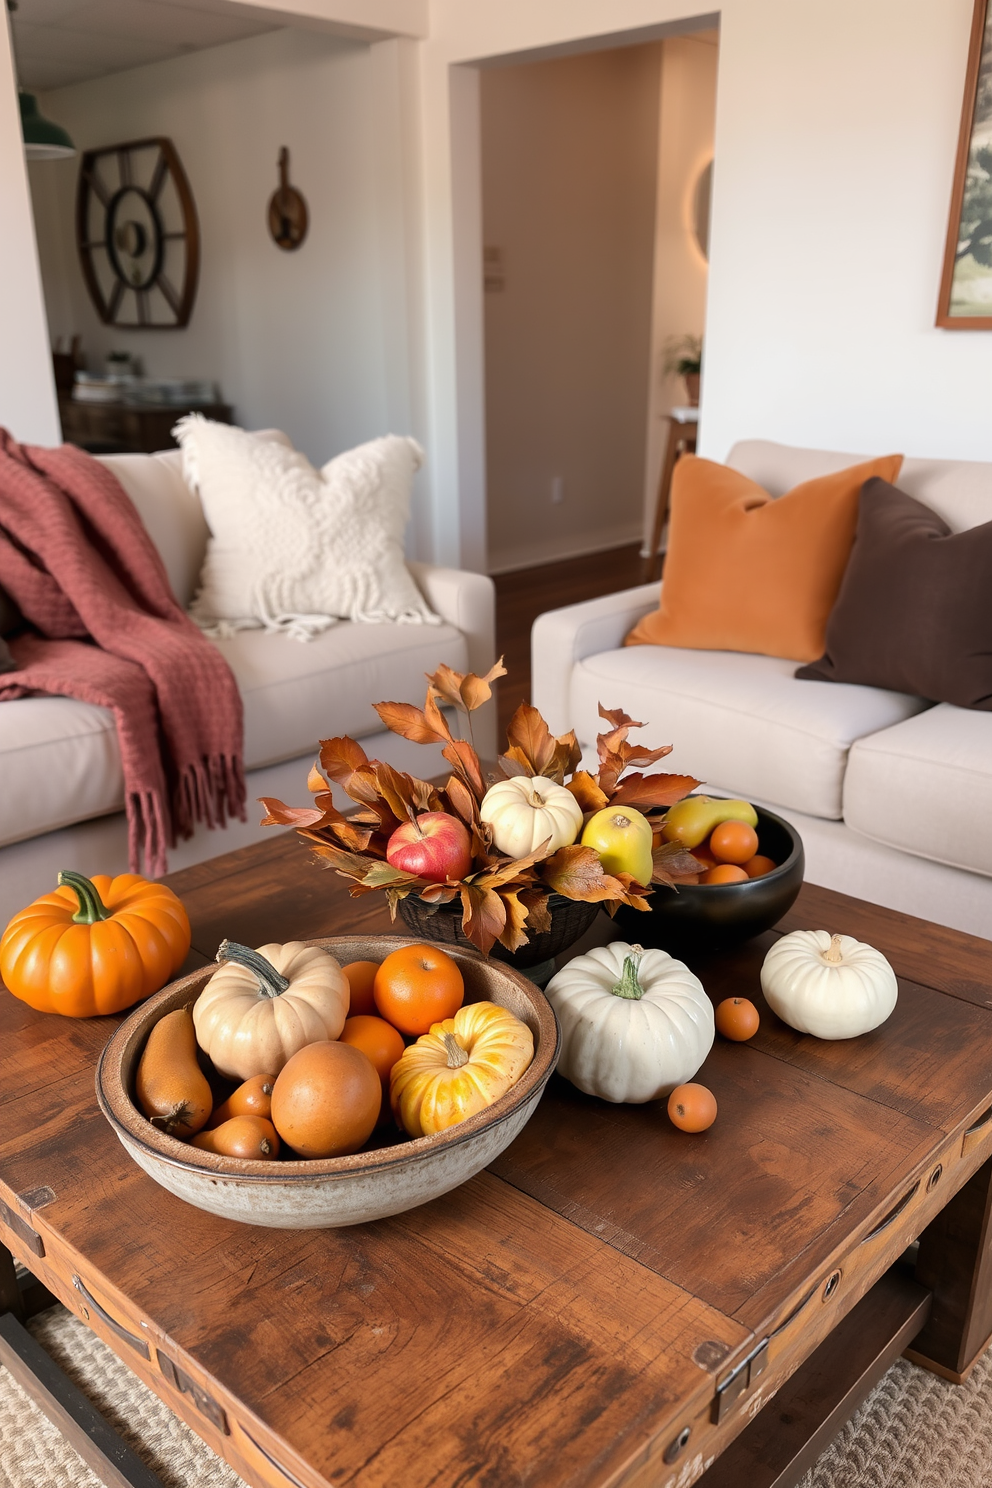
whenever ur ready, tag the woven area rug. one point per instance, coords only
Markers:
(914, 1431)
(34, 1455)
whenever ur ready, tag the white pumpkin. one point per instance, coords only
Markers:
(832, 986)
(634, 1023)
(527, 810)
(260, 1007)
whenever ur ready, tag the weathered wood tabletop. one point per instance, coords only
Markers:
(576, 1315)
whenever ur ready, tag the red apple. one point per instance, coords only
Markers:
(435, 846)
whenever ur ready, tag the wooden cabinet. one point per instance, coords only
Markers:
(123, 428)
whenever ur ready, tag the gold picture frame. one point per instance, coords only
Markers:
(965, 302)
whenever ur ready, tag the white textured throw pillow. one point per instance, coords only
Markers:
(293, 548)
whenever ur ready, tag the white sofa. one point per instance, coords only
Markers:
(61, 787)
(892, 795)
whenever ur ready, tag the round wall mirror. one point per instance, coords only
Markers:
(701, 209)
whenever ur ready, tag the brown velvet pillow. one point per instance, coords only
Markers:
(914, 613)
(745, 572)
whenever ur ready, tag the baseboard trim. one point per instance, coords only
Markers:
(514, 561)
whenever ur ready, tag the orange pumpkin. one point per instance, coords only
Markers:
(94, 946)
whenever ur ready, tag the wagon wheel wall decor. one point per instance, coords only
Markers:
(137, 235)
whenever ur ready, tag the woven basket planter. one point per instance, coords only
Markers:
(570, 919)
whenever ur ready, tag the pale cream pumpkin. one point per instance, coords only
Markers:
(634, 1023)
(459, 1068)
(260, 1007)
(526, 811)
(831, 986)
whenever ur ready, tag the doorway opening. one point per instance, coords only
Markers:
(594, 193)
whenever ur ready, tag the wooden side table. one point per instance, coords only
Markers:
(683, 424)
(123, 428)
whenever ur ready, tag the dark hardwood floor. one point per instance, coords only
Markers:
(526, 593)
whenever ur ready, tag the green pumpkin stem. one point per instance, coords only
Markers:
(91, 906)
(271, 983)
(628, 986)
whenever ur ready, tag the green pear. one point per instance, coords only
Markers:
(623, 839)
(691, 821)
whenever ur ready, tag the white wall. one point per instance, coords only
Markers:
(569, 171)
(27, 390)
(685, 145)
(320, 341)
(836, 133)
(835, 139)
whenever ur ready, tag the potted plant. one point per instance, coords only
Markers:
(684, 358)
(434, 849)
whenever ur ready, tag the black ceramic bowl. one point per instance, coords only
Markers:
(702, 917)
(570, 919)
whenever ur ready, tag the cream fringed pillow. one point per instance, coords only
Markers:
(293, 548)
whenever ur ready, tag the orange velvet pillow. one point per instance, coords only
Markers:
(745, 572)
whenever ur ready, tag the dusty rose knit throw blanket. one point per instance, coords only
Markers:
(76, 557)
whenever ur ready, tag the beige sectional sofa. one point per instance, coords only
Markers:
(892, 794)
(61, 786)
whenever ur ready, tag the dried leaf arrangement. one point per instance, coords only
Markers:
(501, 898)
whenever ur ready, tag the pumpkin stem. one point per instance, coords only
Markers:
(628, 986)
(833, 953)
(91, 906)
(457, 1056)
(271, 983)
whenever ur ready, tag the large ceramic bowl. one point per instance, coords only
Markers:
(308, 1194)
(703, 917)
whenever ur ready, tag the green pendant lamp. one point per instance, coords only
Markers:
(43, 140)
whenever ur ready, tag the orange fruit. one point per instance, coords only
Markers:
(723, 873)
(737, 1019)
(417, 986)
(361, 975)
(733, 842)
(692, 1108)
(702, 854)
(758, 866)
(241, 1136)
(252, 1098)
(326, 1099)
(378, 1040)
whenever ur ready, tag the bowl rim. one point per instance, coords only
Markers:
(133, 1128)
(752, 884)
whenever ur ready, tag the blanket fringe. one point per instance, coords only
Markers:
(209, 790)
(147, 830)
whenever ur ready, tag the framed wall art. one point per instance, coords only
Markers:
(966, 283)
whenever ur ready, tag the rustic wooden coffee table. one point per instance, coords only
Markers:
(612, 1303)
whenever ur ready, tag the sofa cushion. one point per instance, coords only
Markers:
(959, 491)
(170, 511)
(925, 785)
(59, 763)
(59, 758)
(739, 722)
(296, 693)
